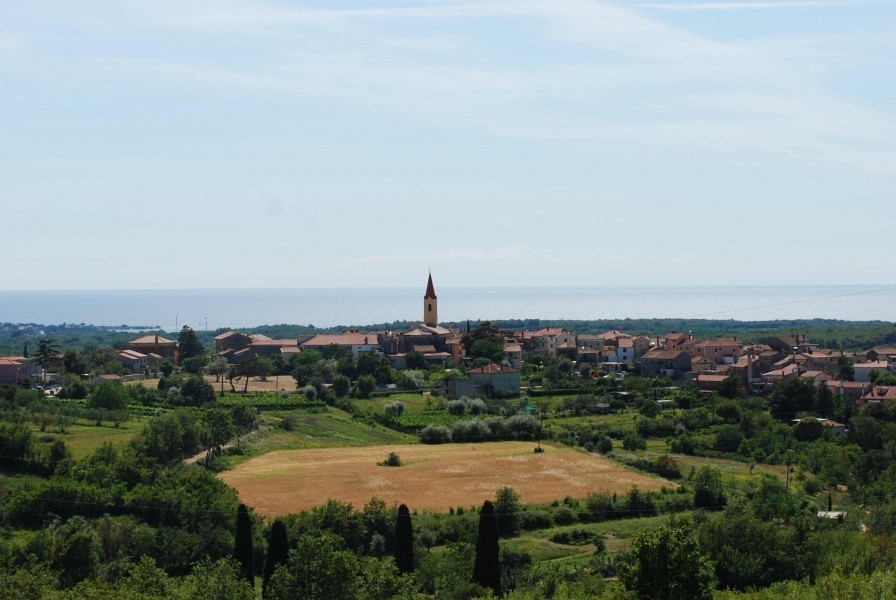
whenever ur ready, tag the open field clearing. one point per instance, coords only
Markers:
(432, 477)
(732, 471)
(272, 384)
(332, 428)
(83, 438)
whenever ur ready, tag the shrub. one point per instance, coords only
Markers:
(457, 407)
(577, 537)
(564, 516)
(395, 409)
(477, 406)
(435, 434)
(633, 441)
(393, 460)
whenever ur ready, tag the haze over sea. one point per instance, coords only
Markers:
(349, 306)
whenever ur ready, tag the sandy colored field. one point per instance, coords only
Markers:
(273, 384)
(432, 477)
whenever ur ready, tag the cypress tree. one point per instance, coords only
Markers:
(242, 548)
(487, 568)
(404, 541)
(278, 554)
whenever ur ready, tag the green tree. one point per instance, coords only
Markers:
(217, 429)
(808, 429)
(366, 385)
(790, 397)
(244, 419)
(845, 370)
(484, 331)
(242, 545)
(188, 344)
(319, 568)
(668, 565)
(415, 360)
(487, 567)
(404, 540)
(708, 489)
(72, 362)
(341, 385)
(109, 396)
(216, 581)
(507, 508)
(277, 554)
(488, 349)
(166, 368)
(731, 387)
(47, 353)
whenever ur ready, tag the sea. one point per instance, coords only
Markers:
(213, 309)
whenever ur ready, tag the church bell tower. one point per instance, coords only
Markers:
(430, 305)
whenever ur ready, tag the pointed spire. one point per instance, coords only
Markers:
(430, 290)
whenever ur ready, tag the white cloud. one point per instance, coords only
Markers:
(783, 4)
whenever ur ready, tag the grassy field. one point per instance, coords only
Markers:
(331, 428)
(82, 438)
(432, 477)
(618, 535)
(732, 471)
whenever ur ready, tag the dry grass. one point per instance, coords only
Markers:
(273, 384)
(432, 477)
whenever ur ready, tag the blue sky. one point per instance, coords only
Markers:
(232, 143)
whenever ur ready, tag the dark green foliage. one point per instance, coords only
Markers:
(633, 441)
(319, 568)
(404, 541)
(808, 429)
(166, 368)
(277, 554)
(366, 385)
(188, 345)
(341, 385)
(109, 396)
(731, 387)
(242, 545)
(415, 360)
(507, 508)
(708, 490)
(393, 460)
(790, 397)
(487, 567)
(748, 552)
(668, 565)
(488, 349)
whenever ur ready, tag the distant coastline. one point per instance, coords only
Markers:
(332, 307)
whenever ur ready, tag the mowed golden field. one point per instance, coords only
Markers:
(431, 477)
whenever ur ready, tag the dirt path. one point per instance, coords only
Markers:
(231, 444)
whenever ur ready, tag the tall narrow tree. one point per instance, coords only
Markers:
(188, 345)
(242, 548)
(487, 568)
(47, 352)
(278, 554)
(404, 541)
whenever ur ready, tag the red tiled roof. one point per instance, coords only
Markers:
(152, 339)
(286, 342)
(225, 335)
(660, 354)
(491, 369)
(341, 339)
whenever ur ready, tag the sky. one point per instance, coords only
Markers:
(251, 143)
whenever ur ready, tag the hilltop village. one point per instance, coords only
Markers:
(580, 458)
(493, 366)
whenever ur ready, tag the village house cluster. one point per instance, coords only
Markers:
(678, 356)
